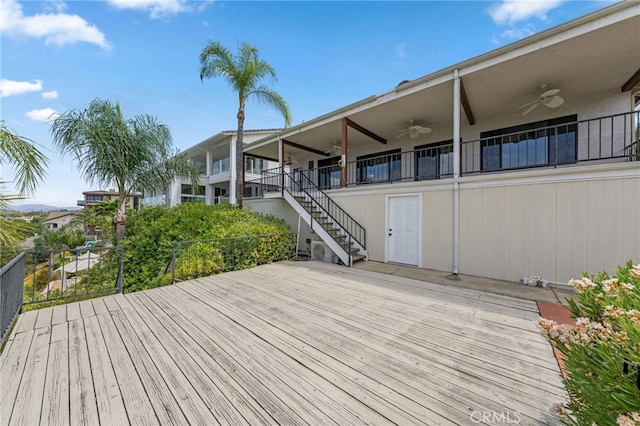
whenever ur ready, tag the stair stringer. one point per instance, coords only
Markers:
(342, 254)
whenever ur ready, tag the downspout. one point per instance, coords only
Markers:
(456, 169)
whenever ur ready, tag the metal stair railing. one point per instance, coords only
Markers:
(299, 184)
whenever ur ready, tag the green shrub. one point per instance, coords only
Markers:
(602, 350)
(151, 232)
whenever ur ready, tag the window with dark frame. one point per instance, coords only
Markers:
(379, 167)
(540, 143)
(434, 161)
(329, 173)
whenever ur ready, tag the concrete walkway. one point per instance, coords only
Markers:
(506, 288)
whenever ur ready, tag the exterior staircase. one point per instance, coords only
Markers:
(335, 227)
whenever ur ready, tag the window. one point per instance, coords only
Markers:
(379, 167)
(529, 145)
(254, 165)
(329, 173)
(187, 189)
(433, 161)
(220, 166)
(187, 195)
(310, 172)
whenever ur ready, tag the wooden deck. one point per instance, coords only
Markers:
(289, 343)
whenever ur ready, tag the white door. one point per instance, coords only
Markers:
(402, 233)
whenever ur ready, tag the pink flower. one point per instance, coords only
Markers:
(631, 419)
(582, 284)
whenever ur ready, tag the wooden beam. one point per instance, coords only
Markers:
(466, 105)
(632, 82)
(343, 165)
(248, 154)
(362, 130)
(304, 148)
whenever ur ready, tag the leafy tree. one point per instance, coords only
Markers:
(128, 154)
(99, 216)
(30, 168)
(244, 73)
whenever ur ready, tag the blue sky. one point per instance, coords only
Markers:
(58, 56)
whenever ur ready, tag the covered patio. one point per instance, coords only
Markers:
(286, 343)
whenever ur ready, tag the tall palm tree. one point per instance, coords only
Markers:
(244, 73)
(130, 155)
(30, 169)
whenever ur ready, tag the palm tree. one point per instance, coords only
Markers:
(244, 73)
(130, 155)
(30, 168)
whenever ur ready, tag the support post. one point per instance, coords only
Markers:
(456, 169)
(233, 173)
(208, 165)
(343, 160)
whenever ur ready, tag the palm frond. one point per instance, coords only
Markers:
(268, 96)
(28, 162)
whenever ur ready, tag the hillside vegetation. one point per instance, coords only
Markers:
(152, 230)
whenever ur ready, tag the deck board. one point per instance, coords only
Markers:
(289, 343)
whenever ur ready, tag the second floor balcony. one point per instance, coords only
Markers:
(609, 139)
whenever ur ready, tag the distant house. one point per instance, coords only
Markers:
(56, 220)
(93, 198)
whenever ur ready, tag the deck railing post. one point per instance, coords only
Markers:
(120, 278)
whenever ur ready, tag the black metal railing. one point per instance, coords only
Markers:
(298, 183)
(614, 138)
(54, 275)
(11, 291)
(198, 258)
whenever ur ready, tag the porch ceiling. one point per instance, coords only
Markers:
(582, 67)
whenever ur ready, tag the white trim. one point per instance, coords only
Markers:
(387, 206)
(511, 178)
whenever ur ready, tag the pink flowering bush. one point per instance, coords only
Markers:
(602, 350)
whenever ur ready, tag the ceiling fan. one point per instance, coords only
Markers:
(290, 161)
(414, 131)
(548, 98)
(335, 149)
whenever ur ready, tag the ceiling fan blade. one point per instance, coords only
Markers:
(424, 130)
(402, 133)
(528, 104)
(554, 102)
(531, 108)
(549, 93)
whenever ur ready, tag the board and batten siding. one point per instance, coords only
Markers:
(556, 230)
(554, 223)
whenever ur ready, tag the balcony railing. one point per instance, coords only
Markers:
(220, 166)
(11, 293)
(614, 138)
(154, 201)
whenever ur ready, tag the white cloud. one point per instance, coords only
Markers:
(10, 87)
(156, 8)
(53, 94)
(45, 115)
(400, 50)
(55, 27)
(518, 33)
(512, 11)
